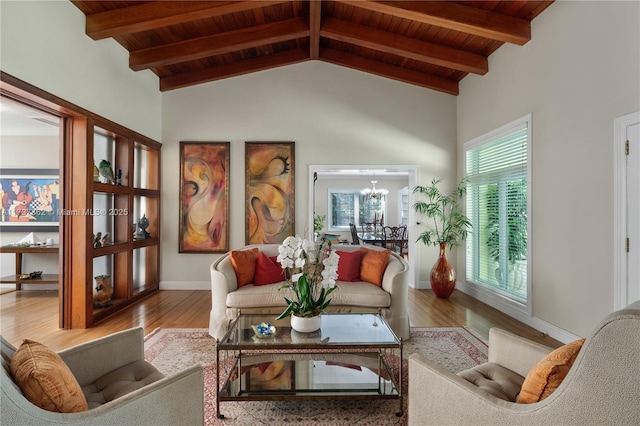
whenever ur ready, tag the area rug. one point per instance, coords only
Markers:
(174, 349)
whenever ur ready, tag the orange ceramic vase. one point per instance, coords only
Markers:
(443, 276)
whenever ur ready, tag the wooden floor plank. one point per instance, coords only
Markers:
(33, 314)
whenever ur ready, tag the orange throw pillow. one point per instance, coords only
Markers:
(349, 265)
(373, 264)
(545, 377)
(46, 380)
(268, 270)
(244, 263)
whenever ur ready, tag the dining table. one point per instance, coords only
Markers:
(376, 238)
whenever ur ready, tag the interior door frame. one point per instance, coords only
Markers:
(413, 175)
(620, 258)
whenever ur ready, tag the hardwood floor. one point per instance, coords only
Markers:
(34, 315)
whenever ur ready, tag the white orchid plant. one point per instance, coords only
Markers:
(318, 265)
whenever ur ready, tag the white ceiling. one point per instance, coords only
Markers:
(19, 120)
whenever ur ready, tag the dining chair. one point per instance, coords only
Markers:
(354, 234)
(404, 251)
(393, 236)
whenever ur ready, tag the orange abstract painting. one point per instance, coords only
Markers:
(204, 197)
(270, 192)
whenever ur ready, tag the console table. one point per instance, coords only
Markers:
(19, 251)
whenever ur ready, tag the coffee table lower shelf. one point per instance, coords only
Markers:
(309, 376)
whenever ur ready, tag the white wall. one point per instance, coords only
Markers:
(44, 44)
(579, 72)
(335, 116)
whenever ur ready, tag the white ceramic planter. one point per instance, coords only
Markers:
(306, 324)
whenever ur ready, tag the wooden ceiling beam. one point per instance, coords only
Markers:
(156, 14)
(218, 44)
(407, 47)
(315, 16)
(454, 16)
(247, 66)
(389, 71)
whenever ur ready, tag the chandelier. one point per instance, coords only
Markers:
(373, 192)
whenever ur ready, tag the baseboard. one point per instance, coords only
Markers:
(185, 285)
(521, 315)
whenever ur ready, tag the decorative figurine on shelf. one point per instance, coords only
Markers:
(106, 171)
(97, 240)
(96, 174)
(119, 177)
(142, 226)
(102, 292)
(105, 240)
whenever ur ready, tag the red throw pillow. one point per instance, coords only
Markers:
(349, 265)
(373, 264)
(244, 263)
(268, 270)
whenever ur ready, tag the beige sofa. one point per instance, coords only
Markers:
(391, 299)
(602, 386)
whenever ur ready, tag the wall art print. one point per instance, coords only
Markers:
(270, 191)
(204, 197)
(31, 200)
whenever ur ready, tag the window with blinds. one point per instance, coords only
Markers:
(497, 169)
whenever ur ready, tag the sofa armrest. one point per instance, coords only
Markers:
(91, 360)
(223, 282)
(513, 352)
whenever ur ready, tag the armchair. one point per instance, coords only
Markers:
(600, 388)
(176, 399)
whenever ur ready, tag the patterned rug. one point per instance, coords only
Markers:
(174, 349)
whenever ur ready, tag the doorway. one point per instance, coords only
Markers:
(404, 176)
(627, 210)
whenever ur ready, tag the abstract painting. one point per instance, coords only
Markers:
(270, 191)
(30, 200)
(204, 197)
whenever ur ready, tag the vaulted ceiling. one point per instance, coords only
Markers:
(432, 44)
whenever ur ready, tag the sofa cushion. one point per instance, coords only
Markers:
(373, 264)
(244, 263)
(545, 377)
(45, 380)
(268, 270)
(349, 265)
(120, 382)
(495, 380)
(348, 294)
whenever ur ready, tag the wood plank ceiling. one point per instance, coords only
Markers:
(432, 44)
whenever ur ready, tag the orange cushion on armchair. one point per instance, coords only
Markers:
(545, 377)
(45, 379)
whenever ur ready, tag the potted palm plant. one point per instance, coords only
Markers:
(446, 226)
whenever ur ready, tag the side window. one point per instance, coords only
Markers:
(497, 167)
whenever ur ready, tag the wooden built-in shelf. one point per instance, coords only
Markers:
(132, 265)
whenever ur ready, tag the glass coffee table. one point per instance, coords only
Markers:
(350, 357)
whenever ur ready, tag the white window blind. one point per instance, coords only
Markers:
(497, 205)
